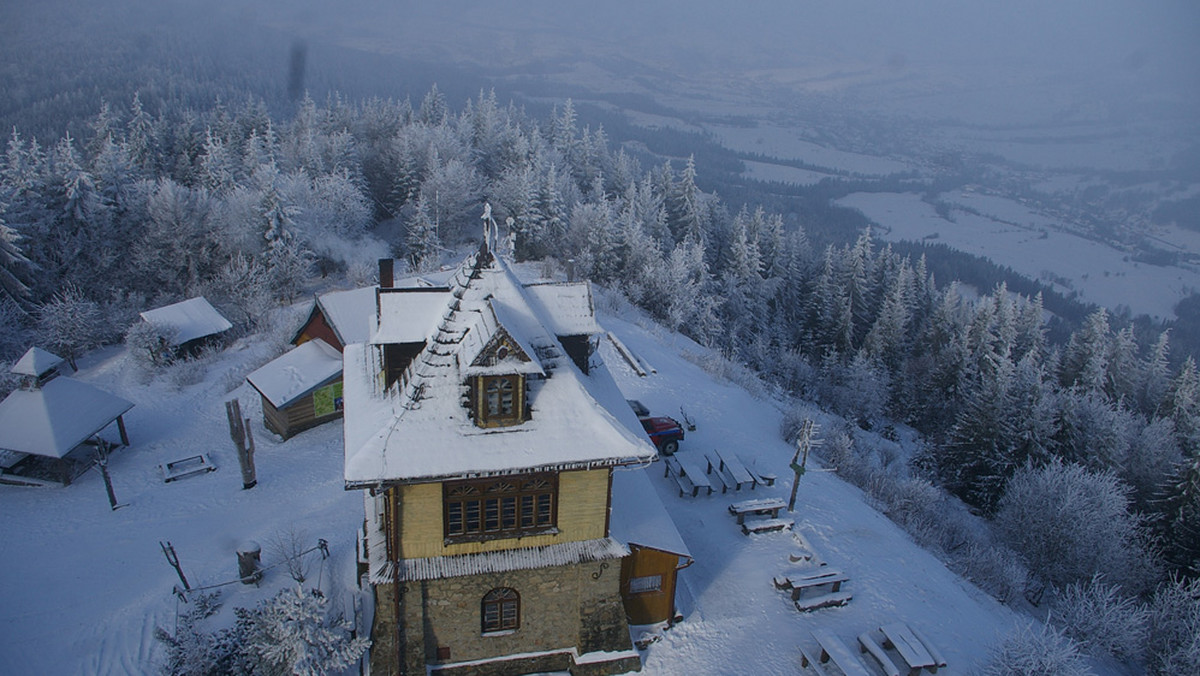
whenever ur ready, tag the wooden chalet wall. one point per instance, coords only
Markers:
(317, 327)
(300, 415)
(649, 607)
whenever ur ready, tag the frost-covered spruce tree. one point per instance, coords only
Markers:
(13, 264)
(292, 633)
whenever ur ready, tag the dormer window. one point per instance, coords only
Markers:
(500, 400)
(499, 397)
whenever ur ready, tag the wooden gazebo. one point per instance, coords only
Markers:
(49, 427)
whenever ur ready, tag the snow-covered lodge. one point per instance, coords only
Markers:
(487, 441)
(48, 425)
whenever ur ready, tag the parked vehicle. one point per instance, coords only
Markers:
(664, 432)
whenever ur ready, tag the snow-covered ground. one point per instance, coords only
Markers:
(84, 587)
(1034, 245)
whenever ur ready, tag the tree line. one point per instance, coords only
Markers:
(154, 206)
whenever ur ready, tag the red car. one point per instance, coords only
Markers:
(665, 432)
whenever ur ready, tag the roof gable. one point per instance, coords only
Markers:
(389, 434)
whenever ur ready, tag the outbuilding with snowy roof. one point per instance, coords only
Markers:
(190, 324)
(300, 389)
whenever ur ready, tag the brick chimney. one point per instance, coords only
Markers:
(385, 273)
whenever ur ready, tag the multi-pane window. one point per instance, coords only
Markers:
(498, 397)
(641, 585)
(501, 610)
(501, 506)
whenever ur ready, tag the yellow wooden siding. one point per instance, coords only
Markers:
(582, 511)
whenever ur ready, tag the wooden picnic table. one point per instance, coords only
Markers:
(688, 479)
(822, 576)
(915, 653)
(832, 648)
(731, 470)
(762, 506)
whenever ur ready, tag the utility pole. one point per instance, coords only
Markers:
(804, 443)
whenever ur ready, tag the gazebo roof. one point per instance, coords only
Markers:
(57, 417)
(36, 362)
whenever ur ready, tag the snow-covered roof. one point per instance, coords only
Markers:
(349, 313)
(638, 516)
(36, 362)
(408, 315)
(563, 554)
(55, 418)
(567, 307)
(420, 430)
(191, 319)
(297, 372)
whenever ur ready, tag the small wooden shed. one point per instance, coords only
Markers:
(300, 389)
(650, 574)
(193, 323)
(49, 425)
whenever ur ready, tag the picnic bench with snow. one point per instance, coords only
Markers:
(803, 585)
(833, 649)
(914, 650)
(768, 507)
(689, 479)
(729, 471)
(185, 467)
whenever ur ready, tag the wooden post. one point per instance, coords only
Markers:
(173, 559)
(239, 431)
(803, 443)
(102, 463)
(121, 429)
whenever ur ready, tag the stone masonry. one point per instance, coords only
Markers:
(564, 610)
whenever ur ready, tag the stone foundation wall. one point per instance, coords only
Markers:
(562, 608)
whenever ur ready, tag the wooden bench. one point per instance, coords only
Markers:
(833, 649)
(760, 506)
(185, 467)
(764, 478)
(807, 660)
(867, 644)
(823, 601)
(767, 526)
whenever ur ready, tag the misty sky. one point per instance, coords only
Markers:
(1005, 53)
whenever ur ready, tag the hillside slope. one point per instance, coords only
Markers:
(85, 587)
